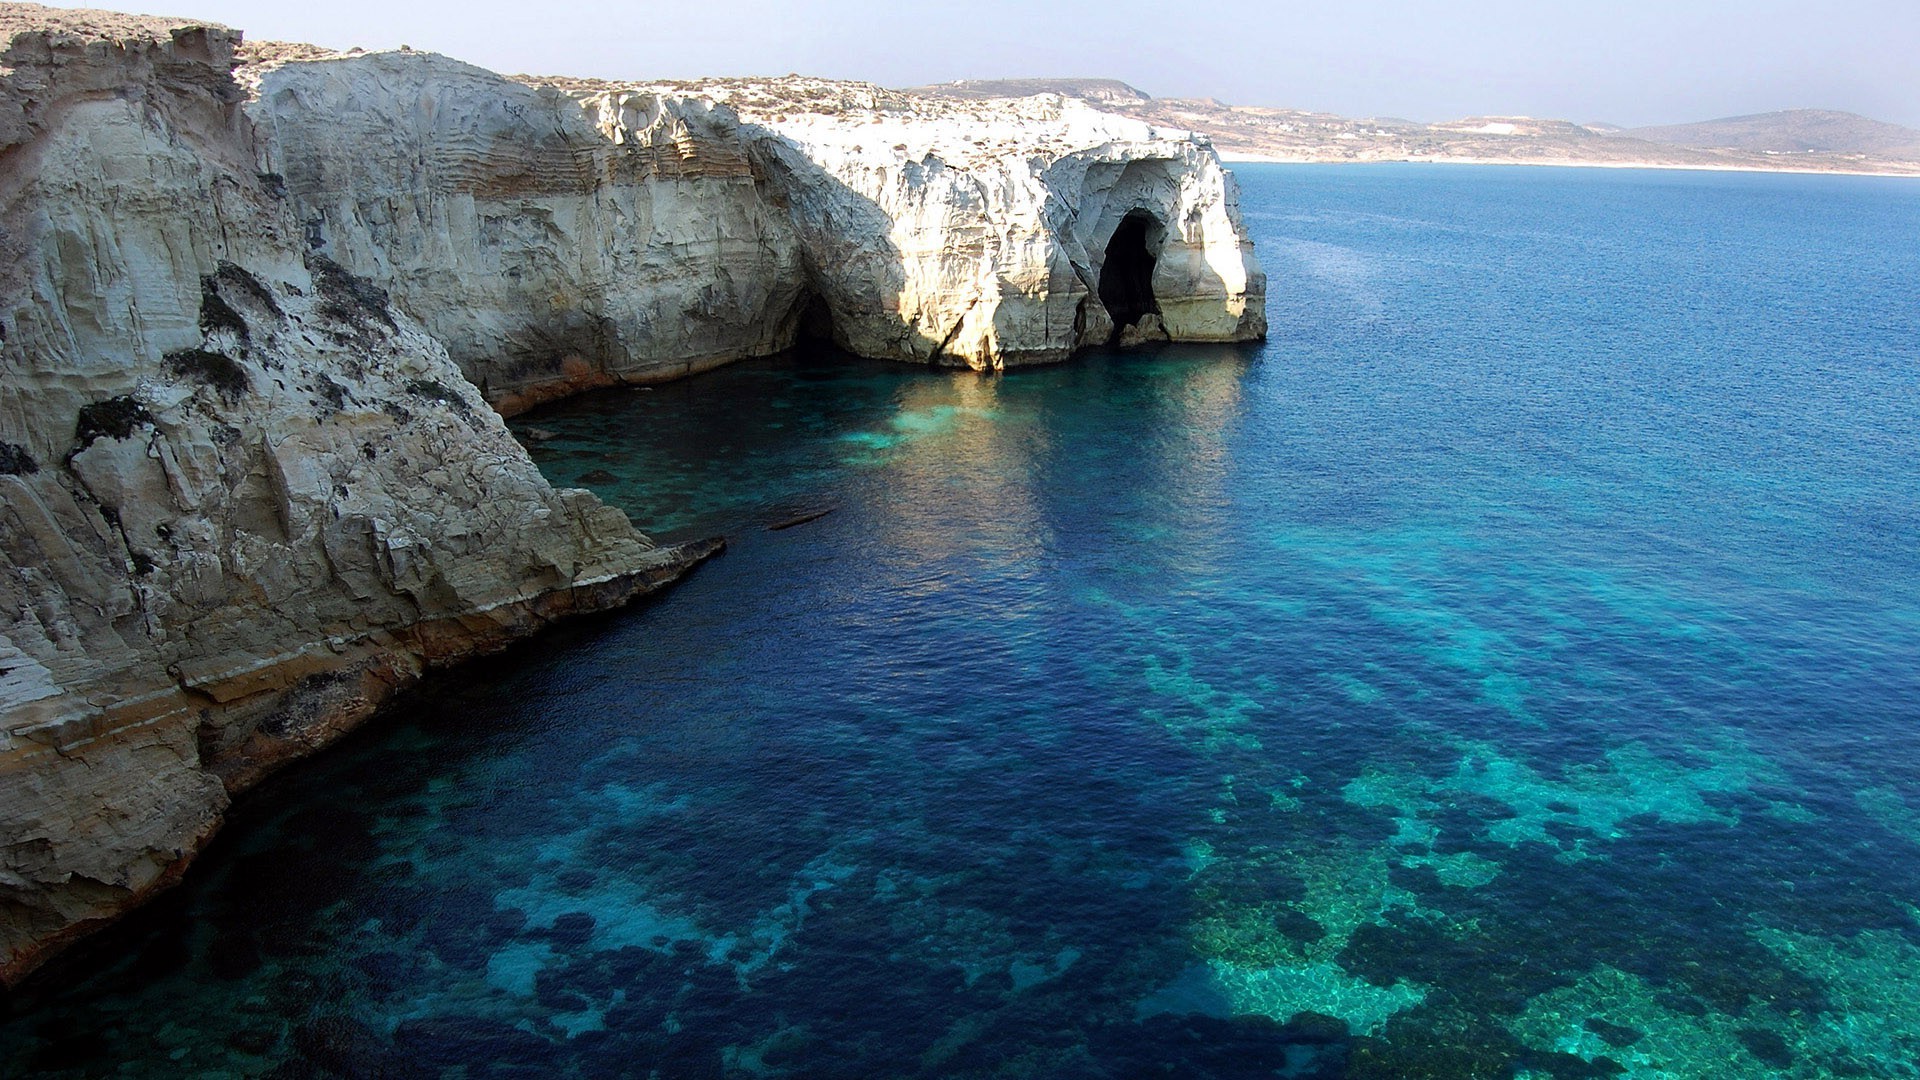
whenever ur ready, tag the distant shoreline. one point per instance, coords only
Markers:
(1232, 158)
(1805, 141)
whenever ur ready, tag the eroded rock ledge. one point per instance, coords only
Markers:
(254, 308)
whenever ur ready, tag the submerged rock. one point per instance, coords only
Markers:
(572, 930)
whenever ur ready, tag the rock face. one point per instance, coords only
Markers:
(253, 312)
(551, 244)
(978, 234)
(242, 498)
(562, 233)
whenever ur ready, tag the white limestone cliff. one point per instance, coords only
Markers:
(975, 233)
(631, 232)
(242, 501)
(550, 247)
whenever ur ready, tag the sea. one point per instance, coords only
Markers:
(1510, 668)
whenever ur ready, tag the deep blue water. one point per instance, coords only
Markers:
(1511, 668)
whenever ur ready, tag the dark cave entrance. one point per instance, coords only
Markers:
(815, 320)
(809, 324)
(1126, 278)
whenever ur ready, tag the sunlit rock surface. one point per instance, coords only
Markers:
(561, 233)
(981, 228)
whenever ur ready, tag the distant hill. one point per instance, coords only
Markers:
(1802, 140)
(1095, 90)
(1795, 131)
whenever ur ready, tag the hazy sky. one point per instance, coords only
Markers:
(1628, 62)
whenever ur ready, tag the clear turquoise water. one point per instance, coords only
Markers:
(1512, 668)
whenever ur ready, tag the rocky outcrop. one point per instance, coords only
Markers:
(564, 233)
(250, 330)
(552, 244)
(977, 233)
(243, 498)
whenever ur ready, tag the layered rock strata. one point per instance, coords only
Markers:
(243, 499)
(254, 308)
(552, 245)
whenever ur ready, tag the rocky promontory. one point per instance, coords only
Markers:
(263, 307)
(562, 233)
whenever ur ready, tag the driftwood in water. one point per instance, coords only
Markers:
(800, 519)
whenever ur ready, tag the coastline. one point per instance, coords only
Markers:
(353, 686)
(1230, 157)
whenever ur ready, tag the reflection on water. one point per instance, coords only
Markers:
(1507, 671)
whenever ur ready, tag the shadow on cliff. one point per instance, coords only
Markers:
(854, 275)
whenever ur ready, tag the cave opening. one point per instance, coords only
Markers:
(809, 324)
(816, 319)
(1126, 277)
